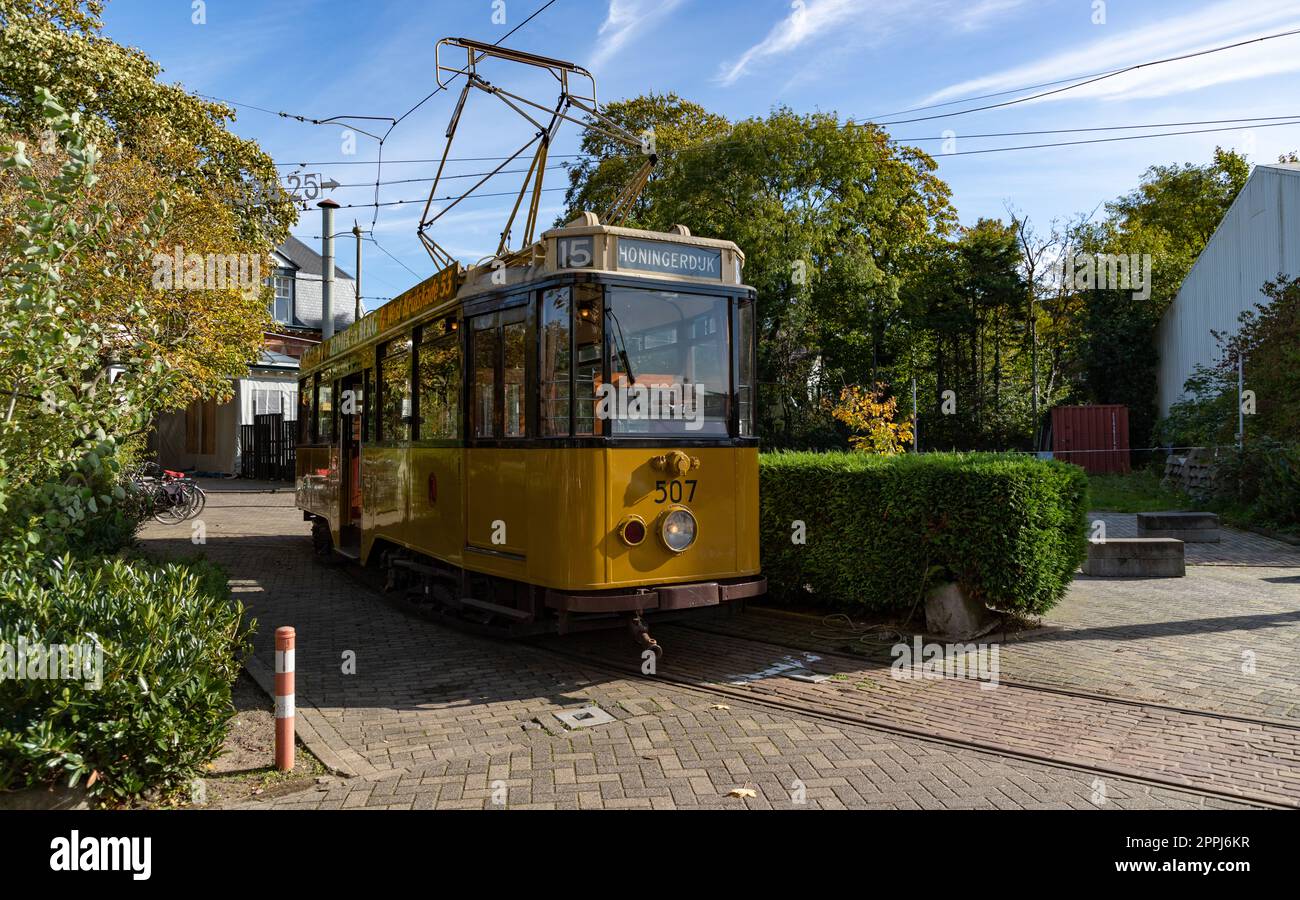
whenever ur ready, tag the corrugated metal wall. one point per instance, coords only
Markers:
(1095, 437)
(1258, 238)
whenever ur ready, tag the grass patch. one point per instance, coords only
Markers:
(1138, 491)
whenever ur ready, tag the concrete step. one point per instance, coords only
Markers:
(1143, 557)
(1191, 527)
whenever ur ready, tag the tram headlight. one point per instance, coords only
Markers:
(677, 529)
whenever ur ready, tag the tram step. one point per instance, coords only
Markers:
(415, 567)
(517, 614)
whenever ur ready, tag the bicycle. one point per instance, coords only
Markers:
(169, 497)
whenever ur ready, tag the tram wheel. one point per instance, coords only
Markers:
(321, 541)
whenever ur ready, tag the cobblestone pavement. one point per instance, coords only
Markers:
(1225, 638)
(434, 718)
(1245, 758)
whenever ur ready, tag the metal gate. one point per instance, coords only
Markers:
(267, 448)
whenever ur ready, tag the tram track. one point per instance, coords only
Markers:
(865, 660)
(775, 701)
(614, 654)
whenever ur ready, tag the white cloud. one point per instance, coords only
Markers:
(626, 18)
(812, 19)
(1108, 48)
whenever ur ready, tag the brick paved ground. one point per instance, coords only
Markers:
(1235, 548)
(1225, 638)
(436, 718)
(1244, 758)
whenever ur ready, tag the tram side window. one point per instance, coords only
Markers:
(557, 309)
(395, 391)
(483, 392)
(589, 343)
(514, 341)
(745, 364)
(368, 411)
(325, 412)
(439, 383)
(304, 411)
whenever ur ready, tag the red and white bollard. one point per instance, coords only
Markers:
(284, 647)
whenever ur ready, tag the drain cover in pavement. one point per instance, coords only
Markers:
(805, 675)
(584, 717)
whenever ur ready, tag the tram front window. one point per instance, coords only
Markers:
(669, 364)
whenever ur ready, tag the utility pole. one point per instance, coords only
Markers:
(1241, 412)
(1033, 331)
(327, 208)
(356, 231)
(916, 425)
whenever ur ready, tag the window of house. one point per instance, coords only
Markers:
(201, 428)
(395, 391)
(275, 400)
(282, 304)
(438, 379)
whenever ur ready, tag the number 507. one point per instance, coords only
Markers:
(675, 491)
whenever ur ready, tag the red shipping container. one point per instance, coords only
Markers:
(1094, 437)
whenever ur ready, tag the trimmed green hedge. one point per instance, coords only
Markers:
(173, 642)
(1011, 530)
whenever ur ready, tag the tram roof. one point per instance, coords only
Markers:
(582, 246)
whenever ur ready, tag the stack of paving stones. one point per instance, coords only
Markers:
(1189, 527)
(1141, 557)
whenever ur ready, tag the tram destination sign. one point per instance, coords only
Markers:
(669, 259)
(427, 293)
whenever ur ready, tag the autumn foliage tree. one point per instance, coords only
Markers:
(870, 416)
(109, 177)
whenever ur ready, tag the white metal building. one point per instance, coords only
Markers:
(1258, 240)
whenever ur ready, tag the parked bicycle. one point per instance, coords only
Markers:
(169, 497)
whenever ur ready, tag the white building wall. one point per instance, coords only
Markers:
(1258, 240)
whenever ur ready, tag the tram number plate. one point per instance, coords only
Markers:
(675, 491)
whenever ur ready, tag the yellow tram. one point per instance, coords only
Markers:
(559, 443)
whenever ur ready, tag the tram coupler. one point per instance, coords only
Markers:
(641, 634)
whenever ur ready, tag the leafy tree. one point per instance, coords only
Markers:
(57, 45)
(1169, 217)
(870, 416)
(829, 216)
(204, 332)
(1268, 340)
(665, 121)
(73, 383)
(168, 172)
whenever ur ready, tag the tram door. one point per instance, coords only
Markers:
(351, 415)
(496, 519)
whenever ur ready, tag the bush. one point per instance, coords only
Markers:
(1262, 481)
(172, 642)
(1010, 530)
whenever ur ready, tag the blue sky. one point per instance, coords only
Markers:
(861, 59)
